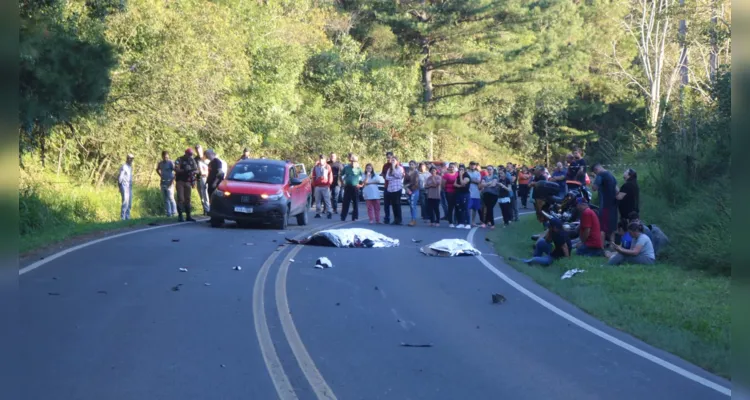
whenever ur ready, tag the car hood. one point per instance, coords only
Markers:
(249, 187)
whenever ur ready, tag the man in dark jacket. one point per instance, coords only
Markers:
(185, 168)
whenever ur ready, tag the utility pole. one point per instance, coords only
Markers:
(432, 140)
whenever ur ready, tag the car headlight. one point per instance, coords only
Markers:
(273, 197)
(222, 193)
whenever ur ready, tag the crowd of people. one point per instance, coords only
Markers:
(464, 196)
(460, 195)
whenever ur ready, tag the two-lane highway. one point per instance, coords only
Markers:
(118, 320)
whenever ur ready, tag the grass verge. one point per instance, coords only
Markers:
(685, 312)
(54, 208)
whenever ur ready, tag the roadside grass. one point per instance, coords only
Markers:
(54, 208)
(685, 312)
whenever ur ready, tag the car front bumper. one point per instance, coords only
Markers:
(264, 211)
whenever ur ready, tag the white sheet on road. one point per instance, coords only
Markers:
(450, 248)
(352, 237)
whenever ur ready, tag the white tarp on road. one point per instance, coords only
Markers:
(351, 237)
(450, 248)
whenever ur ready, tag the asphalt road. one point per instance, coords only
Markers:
(106, 322)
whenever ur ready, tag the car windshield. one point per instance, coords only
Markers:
(259, 173)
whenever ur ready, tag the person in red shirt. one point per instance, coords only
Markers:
(591, 243)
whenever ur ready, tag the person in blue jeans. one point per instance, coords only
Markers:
(544, 254)
(411, 185)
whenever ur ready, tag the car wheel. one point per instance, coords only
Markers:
(284, 221)
(217, 222)
(302, 217)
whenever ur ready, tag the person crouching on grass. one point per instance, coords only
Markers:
(591, 243)
(544, 254)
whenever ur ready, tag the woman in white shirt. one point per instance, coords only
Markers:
(371, 193)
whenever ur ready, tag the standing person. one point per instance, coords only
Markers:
(412, 191)
(432, 185)
(558, 176)
(524, 178)
(186, 168)
(394, 185)
(321, 182)
(462, 197)
(125, 183)
(336, 168)
(628, 197)
(504, 196)
(511, 169)
(475, 203)
(490, 194)
(351, 176)
(590, 236)
(424, 173)
(216, 171)
(606, 184)
(580, 163)
(387, 200)
(165, 170)
(245, 154)
(371, 193)
(200, 178)
(449, 188)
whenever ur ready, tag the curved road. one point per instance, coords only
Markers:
(118, 320)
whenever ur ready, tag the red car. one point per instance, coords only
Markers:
(264, 191)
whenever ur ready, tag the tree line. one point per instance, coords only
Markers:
(494, 81)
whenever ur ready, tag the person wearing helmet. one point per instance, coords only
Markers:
(186, 169)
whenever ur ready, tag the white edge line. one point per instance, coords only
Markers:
(59, 254)
(666, 364)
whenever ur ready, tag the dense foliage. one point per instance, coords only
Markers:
(486, 80)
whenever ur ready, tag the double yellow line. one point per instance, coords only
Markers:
(279, 377)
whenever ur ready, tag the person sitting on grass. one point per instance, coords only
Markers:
(543, 252)
(642, 252)
(591, 243)
(658, 238)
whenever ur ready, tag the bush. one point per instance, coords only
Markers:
(48, 202)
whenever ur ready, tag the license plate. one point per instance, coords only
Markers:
(246, 210)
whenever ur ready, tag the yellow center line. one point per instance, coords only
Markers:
(306, 364)
(276, 371)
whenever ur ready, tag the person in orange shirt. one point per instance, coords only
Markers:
(524, 177)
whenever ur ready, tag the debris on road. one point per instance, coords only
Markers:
(338, 304)
(415, 345)
(183, 270)
(54, 278)
(237, 268)
(376, 288)
(223, 366)
(323, 262)
(176, 288)
(487, 239)
(53, 294)
(291, 260)
(249, 244)
(350, 238)
(497, 298)
(569, 273)
(450, 248)
(153, 224)
(206, 284)
(102, 292)
(417, 240)
(175, 240)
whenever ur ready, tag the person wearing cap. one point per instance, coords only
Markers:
(125, 183)
(387, 200)
(544, 254)
(591, 243)
(200, 178)
(216, 171)
(322, 175)
(186, 168)
(165, 170)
